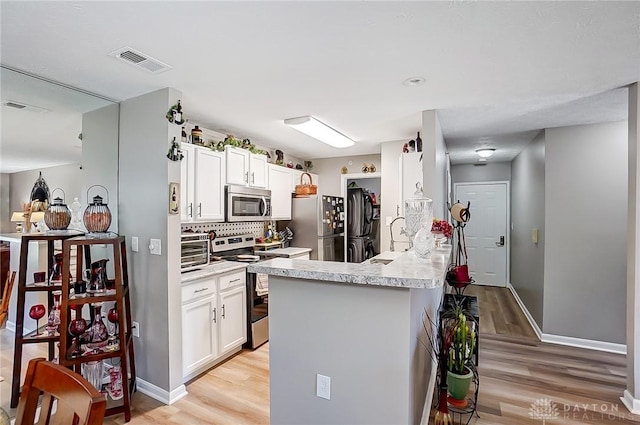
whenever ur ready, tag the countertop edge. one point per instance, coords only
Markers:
(211, 270)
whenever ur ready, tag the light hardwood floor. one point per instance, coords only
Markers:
(515, 371)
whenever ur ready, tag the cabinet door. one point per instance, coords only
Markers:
(257, 170)
(280, 186)
(199, 333)
(209, 197)
(233, 318)
(410, 175)
(237, 166)
(187, 183)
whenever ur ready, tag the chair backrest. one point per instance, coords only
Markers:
(6, 294)
(79, 403)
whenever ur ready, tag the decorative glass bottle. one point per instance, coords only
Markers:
(98, 330)
(53, 323)
(418, 209)
(423, 240)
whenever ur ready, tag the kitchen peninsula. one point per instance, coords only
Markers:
(362, 326)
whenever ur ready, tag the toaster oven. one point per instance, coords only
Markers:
(194, 251)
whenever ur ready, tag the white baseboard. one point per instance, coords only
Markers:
(570, 341)
(633, 404)
(528, 315)
(426, 411)
(159, 394)
(590, 344)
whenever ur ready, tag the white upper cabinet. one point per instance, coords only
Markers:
(411, 175)
(257, 170)
(187, 173)
(237, 166)
(280, 186)
(245, 168)
(202, 179)
(209, 188)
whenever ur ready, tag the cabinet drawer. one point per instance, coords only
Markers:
(198, 289)
(233, 279)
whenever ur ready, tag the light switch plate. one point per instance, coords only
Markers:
(323, 386)
(155, 247)
(134, 243)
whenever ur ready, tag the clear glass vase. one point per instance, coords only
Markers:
(92, 372)
(418, 210)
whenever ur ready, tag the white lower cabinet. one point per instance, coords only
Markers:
(199, 334)
(214, 321)
(233, 320)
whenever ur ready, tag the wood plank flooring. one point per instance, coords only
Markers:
(515, 371)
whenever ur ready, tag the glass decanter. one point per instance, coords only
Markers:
(418, 209)
(423, 240)
(53, 322)
(98, 330)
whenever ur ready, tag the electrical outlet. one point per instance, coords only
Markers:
(135, 329)
(155, 247)
(323, 386)
(134, 243)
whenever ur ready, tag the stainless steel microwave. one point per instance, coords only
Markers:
(247, 204)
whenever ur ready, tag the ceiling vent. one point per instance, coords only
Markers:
(23, 106)
(141, 60)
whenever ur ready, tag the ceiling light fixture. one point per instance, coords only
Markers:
(485, 152)
(320, 131)
(414, 81)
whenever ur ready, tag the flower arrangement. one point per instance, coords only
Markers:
(462, 343)
(442, 226)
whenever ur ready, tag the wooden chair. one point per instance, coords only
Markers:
(6, 295)
(79, 403)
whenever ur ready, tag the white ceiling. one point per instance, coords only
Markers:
(497, 72)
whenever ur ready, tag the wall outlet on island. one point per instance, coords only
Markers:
(135, 329)
(323, 386)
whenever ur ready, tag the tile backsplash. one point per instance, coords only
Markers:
(227, 229)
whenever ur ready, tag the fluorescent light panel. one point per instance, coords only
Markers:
(320, 131)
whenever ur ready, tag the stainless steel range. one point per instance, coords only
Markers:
(240, 248)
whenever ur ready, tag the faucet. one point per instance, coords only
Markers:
(402, 232)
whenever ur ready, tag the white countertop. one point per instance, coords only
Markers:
(212, 270)
(283, 252)
(404, 271)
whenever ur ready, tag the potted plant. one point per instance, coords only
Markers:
(459, 331)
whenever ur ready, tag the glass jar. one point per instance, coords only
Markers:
(97, 216)
(423, 240)
(53, 322)
(92, 372)
(58, 215)
(418, 209)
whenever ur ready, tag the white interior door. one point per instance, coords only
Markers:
(486, 232)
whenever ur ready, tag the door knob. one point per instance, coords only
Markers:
(501, 243)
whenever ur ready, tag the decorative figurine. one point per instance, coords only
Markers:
(175, 153)
(344, 170)
(246, 144)
(298, 167)
(174, 115)
(279, 157)
(308, 165)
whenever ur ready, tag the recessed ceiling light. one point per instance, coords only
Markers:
(485, 152)
(414, 81)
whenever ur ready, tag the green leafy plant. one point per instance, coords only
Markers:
(460, 333)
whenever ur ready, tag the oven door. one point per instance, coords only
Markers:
(246, 204)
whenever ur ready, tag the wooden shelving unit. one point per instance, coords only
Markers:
(24, 287)
(120, 295)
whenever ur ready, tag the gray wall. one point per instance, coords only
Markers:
(493, 171)
(365, 338)
(328, 170)
(585, 213)
(67, 177)
(145, 173)
(527, 213)
(434, 162)
(100, 157)
(6, 226)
